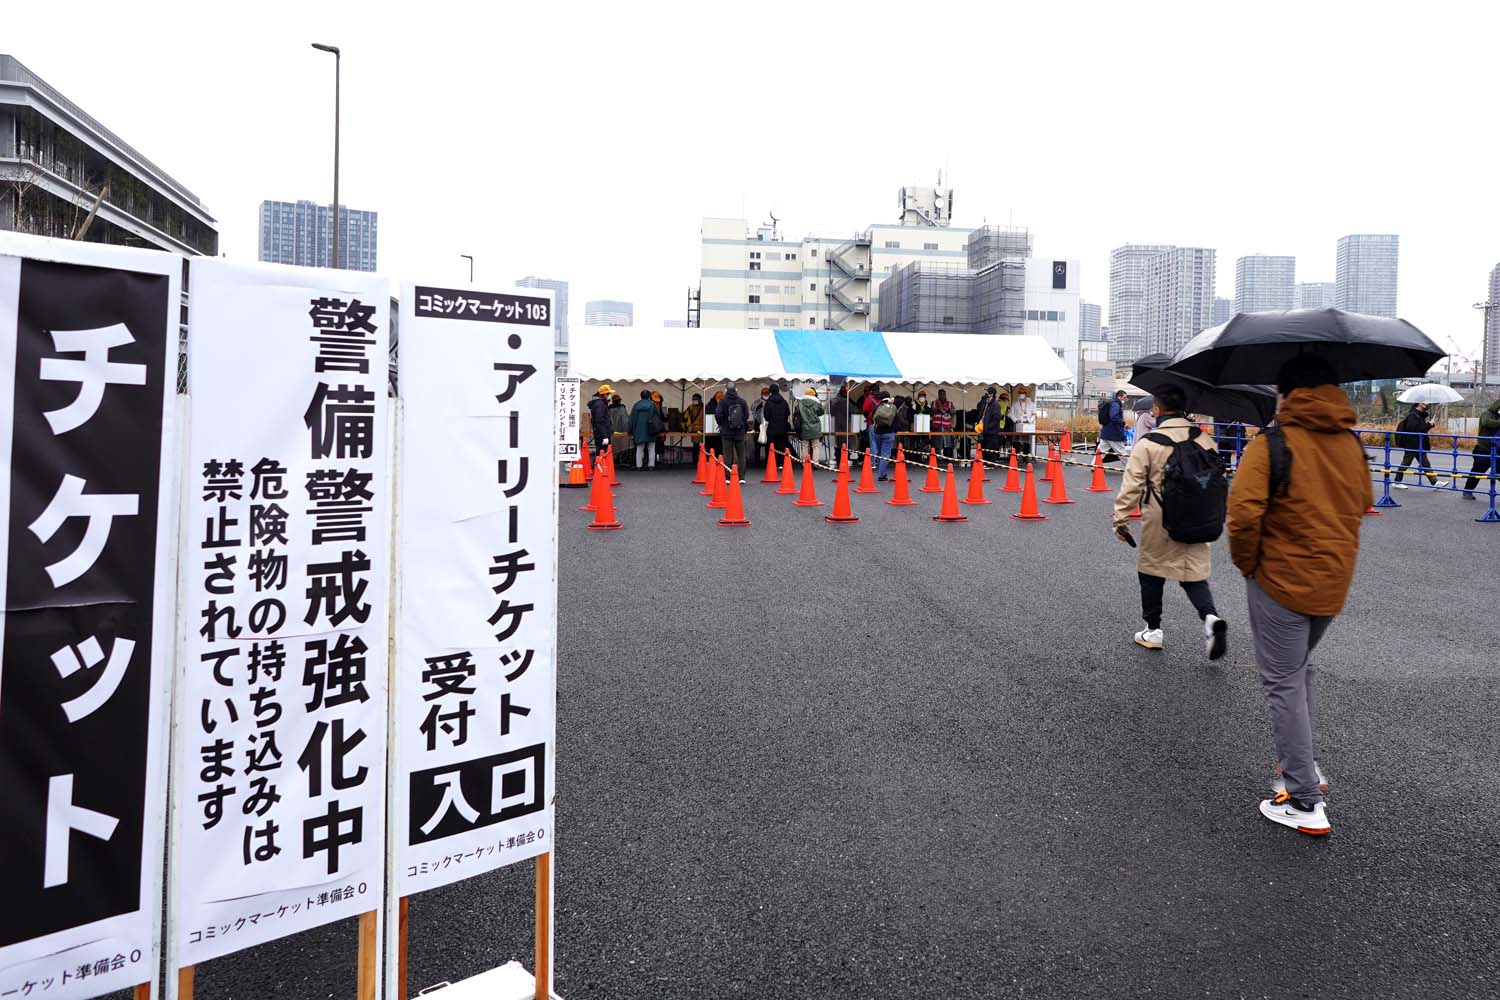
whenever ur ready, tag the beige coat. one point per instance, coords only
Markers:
(1159, 555)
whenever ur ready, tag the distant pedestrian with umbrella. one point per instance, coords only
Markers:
(1411, 434)
(1145, 416)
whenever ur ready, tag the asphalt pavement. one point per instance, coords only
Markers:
(901, 759)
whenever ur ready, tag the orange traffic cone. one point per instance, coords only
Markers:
(902, 498)
(976, 483)
(866, 476)
(1135, 515)
(844, 458)
(770, 476)
(1059, 492)
(1372, 512)
(595, 485)
(933, 485)
(842, 514)
(609, 463)
(949, 513)
(702, 476)
(604, 513)
(720, 498)
(1099, 485)
(577, 477)
(709, 468)
(1067, 441)
(734, 515)
(809, 497)
(1012, 478)
(788, 476)
(1029, 509)
(1049, 470)
(583, 456)
(984, 476)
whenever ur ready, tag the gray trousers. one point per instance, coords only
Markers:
(1284, 641)
(734, 454)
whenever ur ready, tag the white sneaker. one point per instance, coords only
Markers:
(1149, 637)
(1436, 483)
(1400, 486)
(1215, 636)
(1283, 809)
(1278, 784)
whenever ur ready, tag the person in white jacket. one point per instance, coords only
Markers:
(1023, 412)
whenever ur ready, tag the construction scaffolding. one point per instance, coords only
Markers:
(928, 297)
(999, 304)
(990, 245)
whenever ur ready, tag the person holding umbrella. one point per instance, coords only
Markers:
(1411, 434)
(1294, 534)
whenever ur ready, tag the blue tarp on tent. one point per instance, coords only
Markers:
(852, 353)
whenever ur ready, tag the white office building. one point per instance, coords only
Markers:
(1053, 307)
(1127, 299)
(1179, 301)
(1263, 283)
(757, 279)
(1315, 295)
(608, 312)
(1223, 310)
(1365, 274)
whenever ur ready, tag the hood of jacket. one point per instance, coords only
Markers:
(729, 394)
(1323, 408)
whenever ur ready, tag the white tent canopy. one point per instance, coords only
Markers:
(641, 354)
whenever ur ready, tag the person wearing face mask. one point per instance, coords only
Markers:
(1023, 414)
(921, 444)
(942, 423)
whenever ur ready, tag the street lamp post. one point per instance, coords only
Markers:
(470, 259)
(337, 63)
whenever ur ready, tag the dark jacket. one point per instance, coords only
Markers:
(599, 416)
(1489, 429)
(839, 407)
(727, 405)
(993, 420)
(810, 418)
(1410, 434)
(640, 421)
(902, 423)
(1115, 429)
(777, 414)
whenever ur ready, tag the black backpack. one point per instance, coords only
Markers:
(1104, 412)
(1194, 492)
(734, 419)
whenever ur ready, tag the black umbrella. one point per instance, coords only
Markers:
(1144, 403)
(1250, 404)
(1252, 347)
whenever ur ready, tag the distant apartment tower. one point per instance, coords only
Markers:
(1088, 322)
(1263, 283)
(1127, 299)
(57, 162)
(1365, 274)
(559, 310)
(1179, 302)
(301, 233)
(608, 312)
(1223, 310)
(1315, 295)
(1491, 346)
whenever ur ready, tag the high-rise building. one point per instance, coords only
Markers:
(1365, 274)
(1088, 322)
(1263, 283)
(1315, 295)
(1179, 302)
(1127, 299)
(301, 233)
(559, 311)
(63, 174)
(608, 312)
(1223, 310)
(1490, 349)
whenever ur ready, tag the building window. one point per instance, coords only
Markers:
(812, 321)
(754, 299)
(753, 289)
(893, 244)
(1051, 316)
(929, 246)
(755, 265)
(1062, 317)
(788, 256)
(947, 320)
(1031, 314)
(812, 286)
(815, 252)
(753, 321)
(755, 255)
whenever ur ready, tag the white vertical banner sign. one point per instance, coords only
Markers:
(88, 379)
(566, 418)
(279, 775)
(475, 690)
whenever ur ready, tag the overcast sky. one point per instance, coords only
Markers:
(587, 141)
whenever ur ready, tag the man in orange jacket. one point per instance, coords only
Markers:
(1294, 533)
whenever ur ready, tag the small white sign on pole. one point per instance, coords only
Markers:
(281, 705)
(566, 416)
(475, 690)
